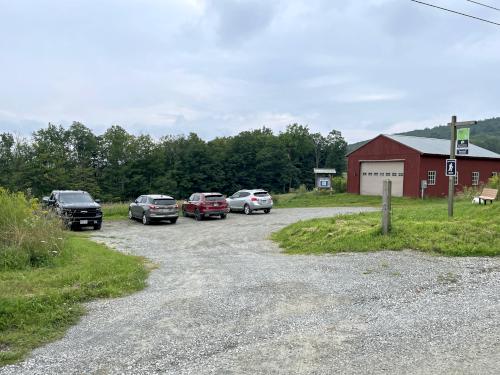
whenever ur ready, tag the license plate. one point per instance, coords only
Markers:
(82, 222)
(263, 201)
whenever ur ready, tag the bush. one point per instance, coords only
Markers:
(494, 182)
(302, 189)
(469, 192)
(29, 237)
(339, 184)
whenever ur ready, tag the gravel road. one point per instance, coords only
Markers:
(225, 300)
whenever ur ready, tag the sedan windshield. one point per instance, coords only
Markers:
(75, 198)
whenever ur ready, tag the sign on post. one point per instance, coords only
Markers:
(324, 183)
(451, 167)
(463, 141)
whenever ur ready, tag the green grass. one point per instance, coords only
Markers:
(115, 211)
(325, 199)
(419, 225)
(38, 305)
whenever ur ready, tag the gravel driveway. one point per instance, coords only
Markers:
(225, 300)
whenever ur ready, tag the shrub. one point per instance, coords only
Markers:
(302, 189)
(339, 184)
(469, 192)
(29, 237)
(494, 182)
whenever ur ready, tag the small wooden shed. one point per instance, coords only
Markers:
(323, 177)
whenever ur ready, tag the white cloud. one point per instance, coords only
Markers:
(368, 97)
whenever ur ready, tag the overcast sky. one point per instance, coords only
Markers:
(218, 67)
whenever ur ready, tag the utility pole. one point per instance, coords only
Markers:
(451, 182)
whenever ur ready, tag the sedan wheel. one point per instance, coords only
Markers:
(145, 219)
(267, 210)
(130, 216)
(247, 209)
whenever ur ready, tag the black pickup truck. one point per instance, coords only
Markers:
(75, 207)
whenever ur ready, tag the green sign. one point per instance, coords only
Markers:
(463, 134)
(463, 141)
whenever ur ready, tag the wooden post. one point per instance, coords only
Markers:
(454, 125)
(386, 207)
(451, 181)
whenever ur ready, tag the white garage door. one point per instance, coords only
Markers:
(373, 173)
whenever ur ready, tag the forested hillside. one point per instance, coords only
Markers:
(485, 134)
(118, 166)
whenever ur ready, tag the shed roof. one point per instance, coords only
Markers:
(436, 146)
(325, 170)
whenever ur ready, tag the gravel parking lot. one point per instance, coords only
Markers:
(225, 300)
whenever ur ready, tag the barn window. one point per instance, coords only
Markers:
(375, 174)
(364, 173)
(394, 174)
(388, 173)
(475, 178)
(431, 177)
(400, 174)
(370, 174)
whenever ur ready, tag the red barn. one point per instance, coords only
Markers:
(407, 161)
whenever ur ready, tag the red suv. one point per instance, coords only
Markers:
(201, 205)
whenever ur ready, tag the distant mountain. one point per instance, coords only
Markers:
(485, 134)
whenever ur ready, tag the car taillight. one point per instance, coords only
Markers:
(153, 207)
(176, 205)
(253, 199)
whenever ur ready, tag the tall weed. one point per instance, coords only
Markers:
(29, 237)
(494, 182)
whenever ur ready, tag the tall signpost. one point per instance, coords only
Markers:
(462, 147)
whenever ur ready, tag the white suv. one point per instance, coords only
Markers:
(250, 200)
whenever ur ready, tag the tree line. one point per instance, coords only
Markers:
(118, 166)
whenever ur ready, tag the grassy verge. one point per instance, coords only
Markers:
(325, 199)
(38, 305)
(420, 226)
(115, 211)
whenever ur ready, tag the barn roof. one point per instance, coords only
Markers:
(436, 146)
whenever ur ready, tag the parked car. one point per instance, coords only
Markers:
(154, 207)
(76, 208)
(201, 205)
(248, 201)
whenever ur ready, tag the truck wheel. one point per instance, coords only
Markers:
(98, 226)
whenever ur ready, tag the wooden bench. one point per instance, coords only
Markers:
(488, 195)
